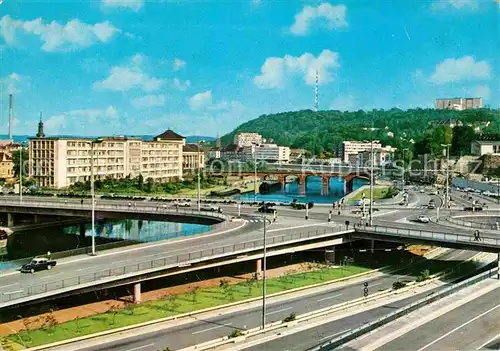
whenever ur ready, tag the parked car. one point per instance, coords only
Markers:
(211, 208)
(423, 219)
(182, 204)
(38, 264)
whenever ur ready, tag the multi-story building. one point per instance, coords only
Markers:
(247, 139)
(381, 157)
(59, 162)
(214, 153)
(485, 147)
(459, 103)
(6, 166)
(272, 153)
(351, 147)
(193, 158)
(231, 153)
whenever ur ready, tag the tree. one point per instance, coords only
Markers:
(16, 158)
(140, 182)
(463, 136)
(149, 184)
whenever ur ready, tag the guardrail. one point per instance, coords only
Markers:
(469, 224)
(167, 262)
(489, 241)
(355, 333)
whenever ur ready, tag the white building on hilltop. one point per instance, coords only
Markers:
(247, 139)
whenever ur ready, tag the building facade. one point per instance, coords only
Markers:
(247, 139)
(60, 162)
(214, 153)
(381, 157)
(480, 148)
(272, 153)
(192, 158)
(459, 104)
(349, 149)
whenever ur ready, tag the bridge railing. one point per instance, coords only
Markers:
(470, 224)
(150, 208)
(483, 240)
(166, 262)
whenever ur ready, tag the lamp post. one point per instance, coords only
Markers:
(371, 181)
(264, 265)
(447, 150)
(21, 173)
(199, 181)
(254, 172)
(92, 189)
(404, 169)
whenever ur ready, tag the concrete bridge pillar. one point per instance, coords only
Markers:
(498, 264)
(137, 293)
(330, 254)
(35, 218)
(258, 269)
(10, 219)
(82, 231)
(325, 185)
(372, 246)
(348, 185)
(281, 180)
(302, 184)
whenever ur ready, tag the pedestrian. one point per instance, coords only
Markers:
(129, 204)
(329, 216)
(48, 255)
(478, 236)
(135, 205)
(66, 202)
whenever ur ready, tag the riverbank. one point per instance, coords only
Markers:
(379, 192)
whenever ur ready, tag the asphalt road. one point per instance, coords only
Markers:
(472, 326)
(205, 330)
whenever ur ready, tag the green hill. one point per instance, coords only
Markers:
(322, 131)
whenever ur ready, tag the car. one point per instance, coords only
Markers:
(266, 209)
(182, 204)
(422, 191)
(211, 208)
(38, 264)
(423, 219)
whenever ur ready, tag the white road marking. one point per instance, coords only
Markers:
(329, 297)
(5, 286)
(370, 285)
(50, 276)
(278, 311)
(459, 327)
(208, 329)
(489, 341)
(141, 347)
(334, 335)
(12, 292)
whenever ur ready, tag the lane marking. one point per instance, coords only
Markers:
(50, 276)
(329, 297)
(489, 341)
(5, 286)
(278, 311)
(376, 284)
(12, 292)
(334, 335)
(459, 327)
(208, 329)
(141, 347)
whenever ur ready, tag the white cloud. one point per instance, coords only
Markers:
(343, 103)
(149, 101)
(460, 69)
(200, 100)
(480, 91)
(256, 2)
(84, 121)
(178, 64)
(134, 5)
(276, 69)
(73, 35)
(13, 83)
(123, 78)
(439, 5)
(181, 85)
(332, 17)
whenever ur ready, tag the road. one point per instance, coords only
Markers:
(204, 330)
(472, 326)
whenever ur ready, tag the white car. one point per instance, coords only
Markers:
(210, 208)
(182, 204)
(423, 219)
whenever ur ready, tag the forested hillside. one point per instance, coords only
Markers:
(321, 131)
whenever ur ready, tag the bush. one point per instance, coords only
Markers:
(398, 285)
(424, 275)
(235, 333)
(290, 318)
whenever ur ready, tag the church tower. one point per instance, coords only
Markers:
(40, 133)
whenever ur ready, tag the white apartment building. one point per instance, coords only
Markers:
(60, 162)
(351, 148)
(247, 139)
(485, 147)
(459, 104)
(192, 158)
(381, 157)
(272, 153)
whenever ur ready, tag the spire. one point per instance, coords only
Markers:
(217, 141)
(40, 133)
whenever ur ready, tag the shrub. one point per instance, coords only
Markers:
(235, 333)
(290, 318)
(424, 275)
(398, 285)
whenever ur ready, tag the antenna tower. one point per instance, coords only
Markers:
(316, 88)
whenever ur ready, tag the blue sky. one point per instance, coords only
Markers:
(112, 67)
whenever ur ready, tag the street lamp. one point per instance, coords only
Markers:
(199, 182)
(403, 172)
(447, 149)
(21, 172)
(254, 172)
(264, 265)
(92, 189)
